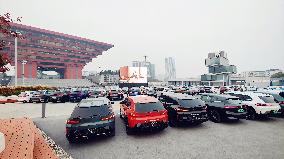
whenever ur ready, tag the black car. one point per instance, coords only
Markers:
(59, 97)
(76, 96)
(151, 92)
(91, 117)
(223, 107)
(184, 109)
(115, 95)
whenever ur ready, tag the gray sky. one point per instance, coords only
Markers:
(250, 31)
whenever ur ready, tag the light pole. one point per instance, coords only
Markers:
(23, 71)
(16, 61)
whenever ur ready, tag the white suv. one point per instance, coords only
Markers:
(259, 104)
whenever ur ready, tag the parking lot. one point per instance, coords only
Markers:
(236, 139)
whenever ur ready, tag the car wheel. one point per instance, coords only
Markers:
(112, 133)
(129, 131)
(251, 114)
(24, 101)
(172, 123)
(215, 116)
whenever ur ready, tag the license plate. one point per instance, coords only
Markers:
(241, 110)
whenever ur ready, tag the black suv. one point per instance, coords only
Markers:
(115, 95)
(223, 107)
(184, 109)
(59, 97)
(91, 117)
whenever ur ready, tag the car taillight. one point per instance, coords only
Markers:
(261, 104)
(73, 121)
(181, 110)
(108, 118)
(230, 107)
(281, 102)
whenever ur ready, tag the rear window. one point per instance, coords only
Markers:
(190, 102)
(149, 107)
(233, 101)
(85, 112)
(267, 99)
(278, 98)
(90, 103)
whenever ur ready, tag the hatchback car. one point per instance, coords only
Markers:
(91, 117)
(143, 113)
(184, 109)
(223, 107)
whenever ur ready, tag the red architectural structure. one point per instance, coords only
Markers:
(48, 50)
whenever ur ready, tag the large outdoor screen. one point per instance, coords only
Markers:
(133, 74)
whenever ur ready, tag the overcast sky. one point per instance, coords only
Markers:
(250, 31)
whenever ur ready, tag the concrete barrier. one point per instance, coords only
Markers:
(2, 142)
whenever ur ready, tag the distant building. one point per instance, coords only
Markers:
(219, 70)
(170, 67)
(185, 82)
(104, 79)
(256, 78)
(151, 73)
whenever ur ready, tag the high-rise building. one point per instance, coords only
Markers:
(219, 70)
(151, 74)
(170, 67)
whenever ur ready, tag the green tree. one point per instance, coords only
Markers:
(278, 75)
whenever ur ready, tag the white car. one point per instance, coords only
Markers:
(25, 96)
(259, 104)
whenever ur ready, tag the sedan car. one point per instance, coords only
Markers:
(91, 117)
(223, 107)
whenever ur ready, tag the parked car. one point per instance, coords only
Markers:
(278, 98)
(151, 92)
(134, 91)
(25, 96)
(59, 97)
(223, 107)
(3, 99)
(12, 99)
(115, 94)
(76, 96)
(41, 96)
(97, 93)
(184, 109)
(259, 104)
(91, 117)
(143, 113)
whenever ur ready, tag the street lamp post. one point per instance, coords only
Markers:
(16, 61)
(23, 71)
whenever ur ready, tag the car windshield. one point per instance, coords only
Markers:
(278, 98)
(91, 103)
(267, 99)
(149, 107)
(84, 112)
(190, 102)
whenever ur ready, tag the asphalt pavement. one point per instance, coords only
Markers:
(242, 139)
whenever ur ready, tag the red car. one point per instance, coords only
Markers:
(143, 113)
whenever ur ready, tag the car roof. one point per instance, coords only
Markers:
(143, 99)
(219, 95)
(179, 95)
